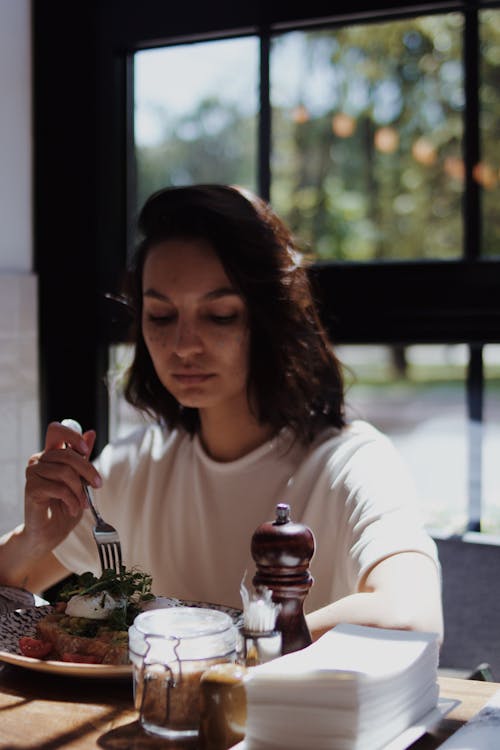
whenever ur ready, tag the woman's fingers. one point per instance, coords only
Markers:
(54, 496)
(47, 482)
(58, 473)
(69, 459)
(58, 436)
(89, 438)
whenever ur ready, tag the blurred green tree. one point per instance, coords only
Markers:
(367, 130)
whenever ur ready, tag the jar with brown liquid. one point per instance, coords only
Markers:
(223, 707)
(170, 649)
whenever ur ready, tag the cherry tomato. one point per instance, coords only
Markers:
(80, 658)
(34, 647)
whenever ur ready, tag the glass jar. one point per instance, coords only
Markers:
(223, 706)
(169, 650)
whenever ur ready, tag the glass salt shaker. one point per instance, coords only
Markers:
(169, 650)
(261, 641)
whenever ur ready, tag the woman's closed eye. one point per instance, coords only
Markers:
(220, 319)
(164, 319)
(224, 320)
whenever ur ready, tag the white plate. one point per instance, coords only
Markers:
(410, 735)
(23, 622)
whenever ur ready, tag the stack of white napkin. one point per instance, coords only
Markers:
(356, 688)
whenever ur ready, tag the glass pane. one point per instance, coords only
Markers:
(367, 138)
(415, 395)
(491, 441)
(123, 418)
(195, 120)
(488, 171)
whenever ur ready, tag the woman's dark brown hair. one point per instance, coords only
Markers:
(294, 378)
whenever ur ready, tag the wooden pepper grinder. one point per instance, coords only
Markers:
(282, 551)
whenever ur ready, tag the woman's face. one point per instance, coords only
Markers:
(195, 324)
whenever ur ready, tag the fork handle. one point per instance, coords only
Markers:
(76, 426)
(88, 495)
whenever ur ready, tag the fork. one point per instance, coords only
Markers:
(106, 536)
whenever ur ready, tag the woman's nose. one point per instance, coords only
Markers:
(187, 339)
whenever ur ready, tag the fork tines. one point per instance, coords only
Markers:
(106, 538)
(110, 555)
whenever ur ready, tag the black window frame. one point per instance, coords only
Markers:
(84, 187)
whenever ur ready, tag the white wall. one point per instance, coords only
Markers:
(19, 419)
(15, 137)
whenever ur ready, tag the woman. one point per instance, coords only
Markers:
(246, 396)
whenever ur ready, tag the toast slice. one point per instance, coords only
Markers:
(107, 646)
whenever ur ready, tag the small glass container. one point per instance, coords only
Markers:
(259, 647)
(223, 706)
(169, 650)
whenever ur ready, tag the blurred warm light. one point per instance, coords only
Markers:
(485, 175)
(343, 125)
(455, 168)
(300, 114)
(424, 151)
(386, 140)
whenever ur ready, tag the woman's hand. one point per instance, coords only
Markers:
(54, 503)
(54, 496)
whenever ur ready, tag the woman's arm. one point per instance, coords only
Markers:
(22, 566)
(402, 591)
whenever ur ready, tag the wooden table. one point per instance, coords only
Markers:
(46, 712)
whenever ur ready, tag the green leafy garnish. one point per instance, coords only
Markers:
(122, 617)
(132, 586)
(129, 584)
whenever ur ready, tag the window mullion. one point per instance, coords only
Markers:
(472, 208)
(130, 165)
(472, 251)
(264, 145)
(475, 392)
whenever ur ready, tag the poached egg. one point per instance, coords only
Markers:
(93, 606)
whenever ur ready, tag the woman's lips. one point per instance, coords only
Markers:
(192, 378)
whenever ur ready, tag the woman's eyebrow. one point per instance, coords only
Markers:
(155, 294)
(224, 291)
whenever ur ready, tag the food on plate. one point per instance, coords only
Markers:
(93, 606)
(90, 621)
(34, 647)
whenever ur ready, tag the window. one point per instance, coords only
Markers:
(367, 125)
(366, 137)
(203, 125)
(391, 175)
(415, 395)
